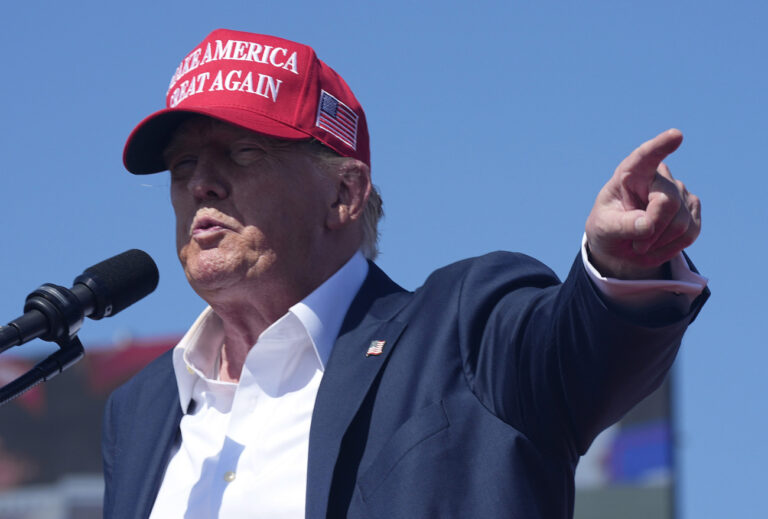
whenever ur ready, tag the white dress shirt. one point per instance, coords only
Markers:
(243, 446)
(681, 290)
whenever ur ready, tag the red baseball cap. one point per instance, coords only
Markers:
(265, 84)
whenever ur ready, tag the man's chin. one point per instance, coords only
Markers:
(211, 270)
(211, 286)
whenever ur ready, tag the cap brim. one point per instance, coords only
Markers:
(144, 148)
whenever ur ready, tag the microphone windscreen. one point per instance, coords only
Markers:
(120, 281)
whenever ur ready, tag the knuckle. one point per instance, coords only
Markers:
(694, 207)
(679, 226)
(693, 232)
(669, 203)
(694, 201)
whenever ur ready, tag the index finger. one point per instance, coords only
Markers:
(645, 160)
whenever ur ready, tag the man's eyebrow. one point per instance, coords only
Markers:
(262, 140)
(172, 149)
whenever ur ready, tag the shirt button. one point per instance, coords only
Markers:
(229, 476)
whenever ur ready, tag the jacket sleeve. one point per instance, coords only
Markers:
(554, 360)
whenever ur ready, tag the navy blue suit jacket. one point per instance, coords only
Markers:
(494, 379)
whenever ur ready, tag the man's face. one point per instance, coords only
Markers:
(248, 208)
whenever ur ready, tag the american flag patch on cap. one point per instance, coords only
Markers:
(375, 348)
(337, 118)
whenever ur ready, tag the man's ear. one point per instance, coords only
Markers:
(353, 186)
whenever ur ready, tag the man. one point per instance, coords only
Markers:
(315, 386)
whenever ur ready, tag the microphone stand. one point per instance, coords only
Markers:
(70, 351)
(54, 314)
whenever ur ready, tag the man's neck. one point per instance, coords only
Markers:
(245, 314)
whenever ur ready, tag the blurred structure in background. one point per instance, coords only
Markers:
(628, 471)
(50, 459)
(50, 437)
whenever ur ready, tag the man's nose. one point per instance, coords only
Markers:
(207, 182)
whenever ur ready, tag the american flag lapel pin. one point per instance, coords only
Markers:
(375, 348)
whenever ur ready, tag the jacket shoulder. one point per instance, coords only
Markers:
(152, 378)
(500, 269)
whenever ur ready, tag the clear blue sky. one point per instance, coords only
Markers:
(493, 127)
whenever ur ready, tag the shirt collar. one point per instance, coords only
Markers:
(321, 313)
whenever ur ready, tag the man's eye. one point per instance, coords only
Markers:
(244, 155)
(182, 165)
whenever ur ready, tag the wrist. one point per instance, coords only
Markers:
(619, 268)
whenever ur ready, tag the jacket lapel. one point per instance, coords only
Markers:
(348, 377)
(152, 437)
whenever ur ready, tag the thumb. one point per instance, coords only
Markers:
(643, 226)
(633, 225)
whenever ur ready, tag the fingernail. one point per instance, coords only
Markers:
(642, 225)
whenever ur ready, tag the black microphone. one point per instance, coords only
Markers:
(55, 313)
